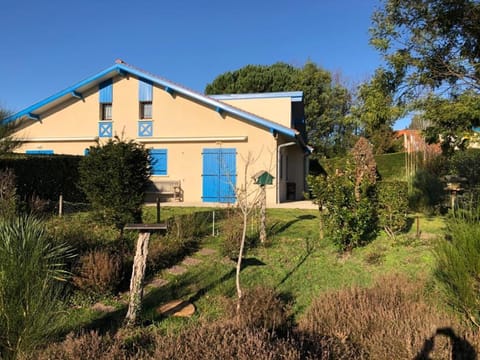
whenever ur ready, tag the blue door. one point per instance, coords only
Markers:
(219, 175)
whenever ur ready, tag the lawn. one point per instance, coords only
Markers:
(296, 263)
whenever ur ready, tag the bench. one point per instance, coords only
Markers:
(158, 187)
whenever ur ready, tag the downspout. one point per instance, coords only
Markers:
(280, 147)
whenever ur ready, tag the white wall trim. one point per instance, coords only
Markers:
(55, 139)
(192, 139)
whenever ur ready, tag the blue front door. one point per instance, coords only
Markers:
(219, 175)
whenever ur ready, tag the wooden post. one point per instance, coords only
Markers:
(418, 227)
(136, 282)
(213, 223)
(60, 205)
(263, 216)
(158, 209)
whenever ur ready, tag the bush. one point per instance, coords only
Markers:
(458, 263)
(114, 178)
(390, 320)
(99, 272)
(45, 176)
(31, 263)
(8, 194)
(392, 206)
(262, 308)
(428, 192)
(347, 222)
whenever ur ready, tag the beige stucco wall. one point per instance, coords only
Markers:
(181, 125)
(276, 109)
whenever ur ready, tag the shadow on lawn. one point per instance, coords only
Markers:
(178, 288)
(278, 227)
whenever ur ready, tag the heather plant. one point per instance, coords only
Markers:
(31, 274)
(458, 262)
(390, 320)
(99, 272)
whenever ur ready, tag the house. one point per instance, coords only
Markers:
(199, 142)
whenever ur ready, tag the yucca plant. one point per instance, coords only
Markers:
(32, 274)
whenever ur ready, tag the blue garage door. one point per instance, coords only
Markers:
(219, 175)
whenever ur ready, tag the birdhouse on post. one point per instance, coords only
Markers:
(263, 178)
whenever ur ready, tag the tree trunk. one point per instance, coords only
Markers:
(136, 281)
(239, 262)
(263, 216)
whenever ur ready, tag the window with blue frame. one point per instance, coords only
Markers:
(145, 113)
(105, 99)
(159, 161)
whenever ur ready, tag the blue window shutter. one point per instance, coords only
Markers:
(105, 92)
(145, 90)
(159, 161)
(145, 128)
(39, 152)
(219, 175)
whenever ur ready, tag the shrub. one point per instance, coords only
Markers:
(458, 263)
(99, 272)
(392, 206)
(45, 176)
(8, 194)
(390, 320)
(31, 263)
(114, 177)
(347, 222)
(87, 346)
(263, 308)
(467, 164)
(428, 192)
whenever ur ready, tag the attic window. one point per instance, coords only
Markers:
(145, 110)
(106, 111)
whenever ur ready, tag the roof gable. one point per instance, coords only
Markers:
(121, 68)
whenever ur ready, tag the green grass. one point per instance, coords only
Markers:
(296, 263)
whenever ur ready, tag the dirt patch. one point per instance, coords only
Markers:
(206, 251)
(189, 261)
(158, 282)
(178, 308)
(177, 270)
(102, 307)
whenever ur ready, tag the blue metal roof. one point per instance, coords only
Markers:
(121, 68)
(295, 96)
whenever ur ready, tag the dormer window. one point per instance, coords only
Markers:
(106, 111)
(145, 110)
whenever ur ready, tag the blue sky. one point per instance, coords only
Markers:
(49, 45)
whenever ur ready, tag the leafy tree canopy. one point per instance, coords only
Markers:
(430, 43)
(8, 142)
(376, 111)
(432, 49)
(327, 102)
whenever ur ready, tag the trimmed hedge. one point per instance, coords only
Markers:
(45, 176)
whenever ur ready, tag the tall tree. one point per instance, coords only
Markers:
(430, 43)
(326, 101)
(376, 111)
(8, 142)
(432, 48)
